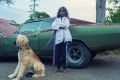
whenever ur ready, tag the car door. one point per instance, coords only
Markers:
(10, 47)
(98, 37)
(1, 42)
(44, 38)
(28, 29)
(31, 30)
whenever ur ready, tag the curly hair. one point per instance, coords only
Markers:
(65, 11)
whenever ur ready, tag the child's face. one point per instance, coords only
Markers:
(62, 13)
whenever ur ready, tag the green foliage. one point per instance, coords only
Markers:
(114, 13)
(6, 1)
(14, 23)
(37, 16)
(18, 25)
(28, 20)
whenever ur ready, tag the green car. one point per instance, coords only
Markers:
(87, 40)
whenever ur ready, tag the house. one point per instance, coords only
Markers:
(6, 28)
(74, 21)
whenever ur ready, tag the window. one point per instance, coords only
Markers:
(46, 25)
(30, 27)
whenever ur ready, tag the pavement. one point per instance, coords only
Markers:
(103, 67)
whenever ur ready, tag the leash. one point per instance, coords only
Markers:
(50, 40)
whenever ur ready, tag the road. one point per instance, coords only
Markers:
(103, 67)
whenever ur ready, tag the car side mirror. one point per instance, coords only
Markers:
(1, 36)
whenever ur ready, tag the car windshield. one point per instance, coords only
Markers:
(29, 27)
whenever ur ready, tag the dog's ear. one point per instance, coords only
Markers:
(27, 46)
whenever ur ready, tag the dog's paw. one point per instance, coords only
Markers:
(18, 78)
(11, 76)
(38, 75)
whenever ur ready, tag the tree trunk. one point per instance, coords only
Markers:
(100, 11)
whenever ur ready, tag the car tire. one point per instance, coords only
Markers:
(78, 55)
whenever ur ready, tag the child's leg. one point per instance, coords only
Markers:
(57, 55)
(63, 53)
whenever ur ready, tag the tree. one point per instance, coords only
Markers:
(113, 1)
(6, 1)
(38, 15)
(14, 23)
(114, 12)
(100, 11)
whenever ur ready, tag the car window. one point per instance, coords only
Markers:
(30, 27)
(45, 25)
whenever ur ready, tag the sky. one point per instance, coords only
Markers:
(79, 9)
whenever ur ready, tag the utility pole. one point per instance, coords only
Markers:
(33, 8)
(34, 1)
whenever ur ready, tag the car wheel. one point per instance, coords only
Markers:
(78, 55)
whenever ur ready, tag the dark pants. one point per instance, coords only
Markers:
(60, 55)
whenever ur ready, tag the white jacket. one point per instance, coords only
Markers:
(62, 34)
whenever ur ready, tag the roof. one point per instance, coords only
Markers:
(74, 21)
(6, 28)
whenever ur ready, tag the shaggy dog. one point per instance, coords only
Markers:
(26, 59)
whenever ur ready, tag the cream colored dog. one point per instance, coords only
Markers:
(26, 59)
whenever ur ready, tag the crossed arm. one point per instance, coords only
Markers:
(56, 26)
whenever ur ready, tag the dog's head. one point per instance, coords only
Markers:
(22, 41)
